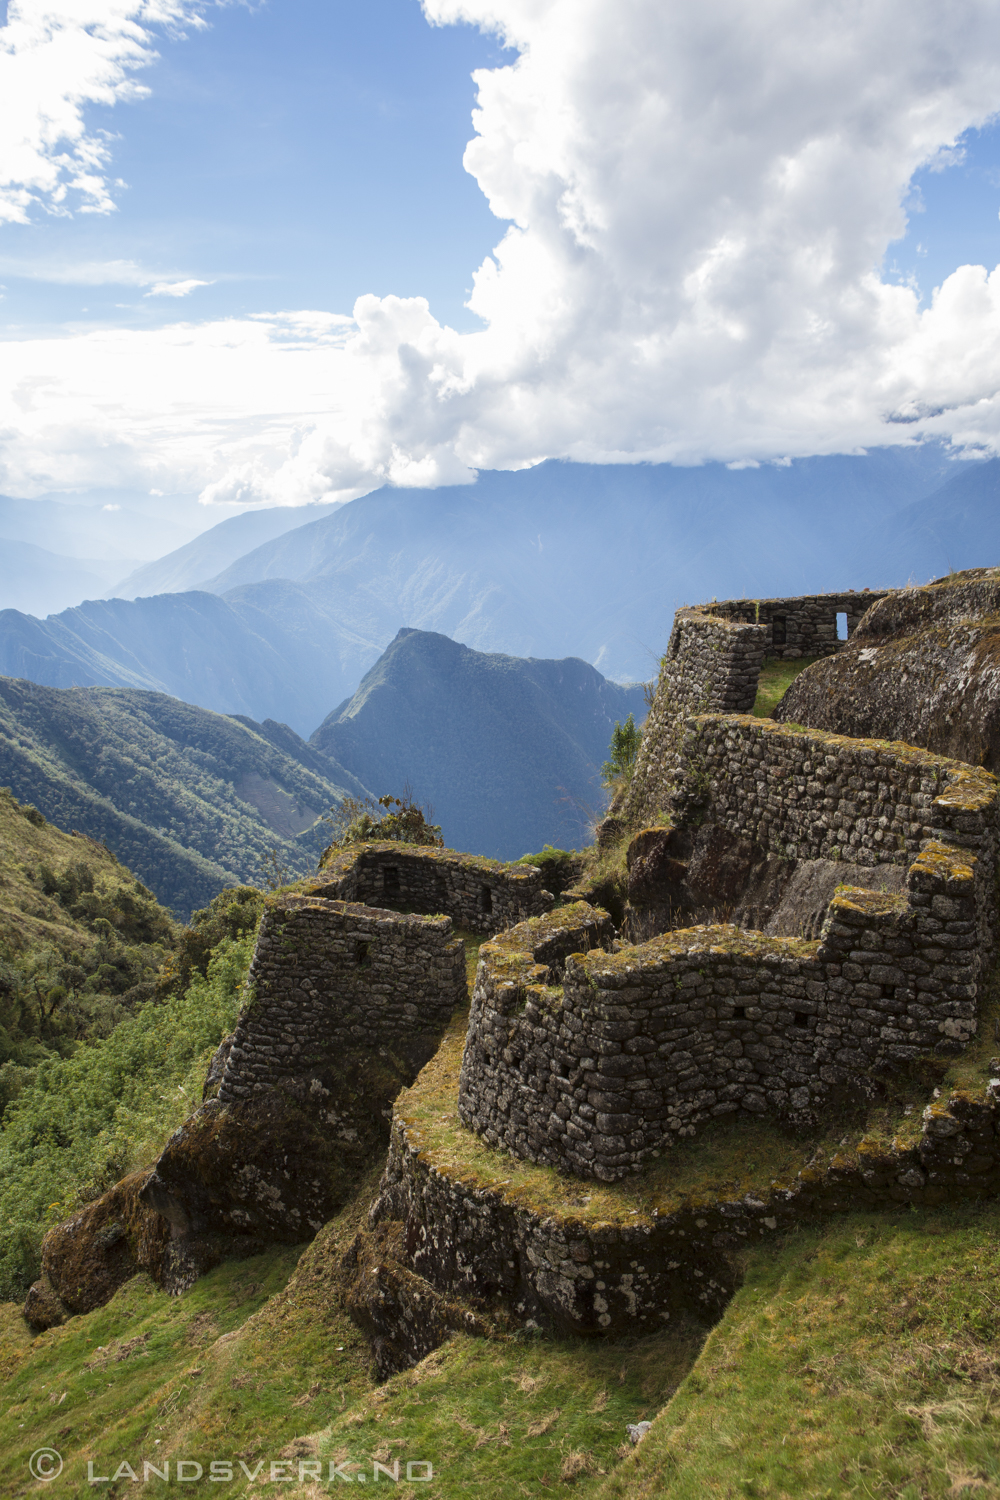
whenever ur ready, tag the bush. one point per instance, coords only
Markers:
(400, 820)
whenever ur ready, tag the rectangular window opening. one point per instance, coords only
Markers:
(779, 630)
(842, 626)
(362, 955)
(390, 880)
(739, 1012)
(486, 899)
(800, 1019)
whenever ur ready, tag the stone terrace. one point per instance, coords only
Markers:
(652, 1039)
(479, 894)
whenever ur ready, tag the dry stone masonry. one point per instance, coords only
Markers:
(923, 666)
(484, 1241)
(330, 977)
(481, 895)
(804, 626)
(711, 665)
(592, 1076)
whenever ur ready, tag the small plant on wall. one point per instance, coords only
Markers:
(400, 820)
(618, 768)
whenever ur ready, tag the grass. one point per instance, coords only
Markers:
(858, 1360)
(29, 918)
(258, 1363)
(775, 679)
(728, 1158)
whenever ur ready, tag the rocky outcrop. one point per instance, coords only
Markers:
(86, 1259)
(923, 666)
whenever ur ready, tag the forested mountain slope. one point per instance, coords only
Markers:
(190, 800)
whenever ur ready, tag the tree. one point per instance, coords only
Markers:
(622, 752)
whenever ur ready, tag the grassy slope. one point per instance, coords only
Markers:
(190, 800)
(858, 1358)
(775, 679)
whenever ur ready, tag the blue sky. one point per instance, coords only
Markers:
(296, 154)
(954, 215)
(685, 234)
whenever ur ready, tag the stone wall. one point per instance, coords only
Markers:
(924, 667)
(701, 1021)
(486, 1242)
(334, 977)
(804, 626)
(479, 894)
(804, 794)
(711, 665)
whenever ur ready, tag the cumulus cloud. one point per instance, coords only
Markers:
(698, 201)
(56, 58)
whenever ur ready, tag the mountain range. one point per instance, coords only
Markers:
(507, 750)
(561, 559)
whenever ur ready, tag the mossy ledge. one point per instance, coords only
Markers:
(493, 1230)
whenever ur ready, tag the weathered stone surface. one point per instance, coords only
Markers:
(479, 894)
(923, 666)
(803, 626)
(403, 1315)
(86, 1259)
(642, 1044)
(345, 1004)
(477, 1244)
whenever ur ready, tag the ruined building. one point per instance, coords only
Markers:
(808, 911)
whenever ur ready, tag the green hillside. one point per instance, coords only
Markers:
(81, 943)
(190, 800)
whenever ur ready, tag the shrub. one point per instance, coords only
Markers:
(400, 820)
(622, 752)
(84, 1121)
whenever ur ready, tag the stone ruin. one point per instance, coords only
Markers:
(806, 912)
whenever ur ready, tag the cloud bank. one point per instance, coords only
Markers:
(56, 58)
(698, 201)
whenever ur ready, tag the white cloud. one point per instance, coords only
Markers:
(699, 197)
(56, 58)
(174, 288)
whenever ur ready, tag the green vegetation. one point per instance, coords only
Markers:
(626, 738)
(397, 820)
(81, 943)
(84, 1121)
(560, 867)
(775, 679)
(192, 801)
(858, 1359)
(259, 1362)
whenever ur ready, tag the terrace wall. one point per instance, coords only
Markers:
(479, 894)
(652, 1039)
(330, 978)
